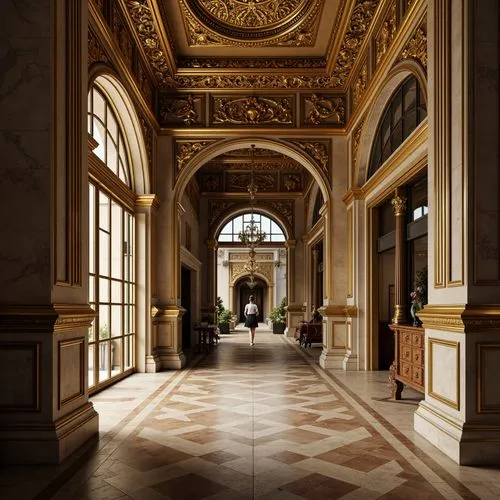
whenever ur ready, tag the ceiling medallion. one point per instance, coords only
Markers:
(251, 22)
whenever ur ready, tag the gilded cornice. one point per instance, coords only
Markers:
(147, 200)
(338, 310)
(146, 24)
(353, 194)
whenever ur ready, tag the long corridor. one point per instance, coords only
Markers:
(254, 422)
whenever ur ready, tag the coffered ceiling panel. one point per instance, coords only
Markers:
(252, 28)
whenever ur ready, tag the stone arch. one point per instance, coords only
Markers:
(213, 150)
(131, 127)
(239, 209)
(384, 93)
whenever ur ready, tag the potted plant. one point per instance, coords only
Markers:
(278, 317)
(419, 295)
(225, 318)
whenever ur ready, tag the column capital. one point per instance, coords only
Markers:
(147, 201)
(212, 244)
(290, 243)
(399, 204)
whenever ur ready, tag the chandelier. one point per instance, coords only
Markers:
(251, 235)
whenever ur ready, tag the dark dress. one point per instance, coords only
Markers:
(251, 321)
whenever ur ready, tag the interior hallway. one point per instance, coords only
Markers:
(259, 422)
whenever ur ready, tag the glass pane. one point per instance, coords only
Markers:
(99, 105)
(91, 363)
(104, 355)
(103, 253)
(266, 225)
(112, 155)
(91, 333)
(116, 356)
(225, 237)
(410, 95)
(397, 136)
(112, 125)
(103, 290)
(131, 249)
(91, 289)
(103, 321)
(104, 203)
(91, 228)
(116, 321)
(397, 111)
(410, 123)
(116, 240)
(124, 173)
(99, 135)
(237, 225)
(116, 291)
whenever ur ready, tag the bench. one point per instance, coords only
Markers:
(307, 333)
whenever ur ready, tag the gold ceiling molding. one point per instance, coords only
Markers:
(416, 48)
(252, 110)
(325, 109)
(251, 23)
(185, 150)
(184, 109)
(251, 62)
(359, 23)
(254, 81)
(141, 13)
(386, 34)
(319, 152)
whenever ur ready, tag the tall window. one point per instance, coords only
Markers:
(111, 250)
(231, 230)
(404, 112)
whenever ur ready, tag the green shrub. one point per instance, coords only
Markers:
(278, 314)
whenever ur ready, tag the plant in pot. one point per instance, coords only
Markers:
(225, 318)
(278, 317)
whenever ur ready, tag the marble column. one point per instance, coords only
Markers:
(45, 413)
(145, 216)
(314, 278)
(294, 311)
(400, 266)
(461, 410)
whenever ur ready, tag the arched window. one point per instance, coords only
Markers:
(318, 203)
(406, 109)
(105, 129)
(111, 248)
(231, 230)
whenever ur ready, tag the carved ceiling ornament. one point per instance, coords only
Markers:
(179, 109)
(356, 137)
(217, 207)
(361, 17)
(361, 84)
(284, 208)
(318, 151)
(237, 270)
(185, 150)
(251, 23)
(96, 53)
(252, 110)
(247, 62)
(328, 110)
(416, 48)
(142, 17)
(238, 182)
(387, 32)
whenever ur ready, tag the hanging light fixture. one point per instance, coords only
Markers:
(252, 235)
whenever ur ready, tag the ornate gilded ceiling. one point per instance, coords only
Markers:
(251, 22)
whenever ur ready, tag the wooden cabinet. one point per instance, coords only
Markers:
(408, 366)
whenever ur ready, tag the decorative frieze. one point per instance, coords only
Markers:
(184, 109)
(356, 136)
(237, 182)
(248, 62)
(185, 150)
(416, 48)
(361, 84)
(95, 53)
(142, 18)
(284, 208)
(121, 33)
(217, 207)
(359, 23)
(252, 110)
(324, 109)
(319, 153)
(386, 34)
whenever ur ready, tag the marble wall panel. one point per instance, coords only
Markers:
(71, 370)
(444, 371)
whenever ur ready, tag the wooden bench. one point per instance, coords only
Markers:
(307, 333)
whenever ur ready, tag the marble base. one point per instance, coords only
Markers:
(467, 445)
(172, 361)
(49, 443)
(153, 364)
(329, 360)
(350, 362)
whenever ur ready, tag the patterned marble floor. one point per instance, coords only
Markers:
(256, 422)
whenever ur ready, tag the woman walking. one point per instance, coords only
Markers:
(251, 313)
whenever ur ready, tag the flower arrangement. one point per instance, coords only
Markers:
(419, 294)
(278, 314)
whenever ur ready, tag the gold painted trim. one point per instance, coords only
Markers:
(448, 343)
(350, 253)
(353, 194)
(36, 348)
(232, 132)
(147, 200)
(481, 378)
(443, 317)
(347, 311)
(77, 395)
